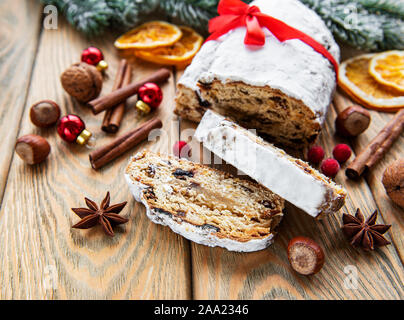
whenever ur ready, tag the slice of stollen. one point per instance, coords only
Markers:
(202, 204)
(290, 178)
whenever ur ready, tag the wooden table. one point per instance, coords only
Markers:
(42, 257)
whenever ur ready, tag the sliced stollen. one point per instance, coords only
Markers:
(290, 178)
(282, 89)
(202, 204)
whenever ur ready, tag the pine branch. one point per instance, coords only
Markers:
(372, 25)
(194, 13)
(187, 12)
(127, 14)
(90, 17)
(394, 7)
(94, 16)
(365, 24)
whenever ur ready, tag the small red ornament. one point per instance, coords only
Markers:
(315, 154)
(151, 94)
(330, 167)
(342, 152)
(72, 129)
(181, 149)
(92, 55)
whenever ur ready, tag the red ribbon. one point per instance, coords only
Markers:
(235, 13)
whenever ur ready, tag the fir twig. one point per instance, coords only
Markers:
(365, 24)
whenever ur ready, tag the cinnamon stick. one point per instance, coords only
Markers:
(115, 97)
(376, 149)
(107, 153)
(117, 84)
(113, 116)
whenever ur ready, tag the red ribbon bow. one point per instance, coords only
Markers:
(235, 13)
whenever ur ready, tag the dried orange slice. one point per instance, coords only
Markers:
(179, 54)
(354, 78)
(388, 68)
(149, 35)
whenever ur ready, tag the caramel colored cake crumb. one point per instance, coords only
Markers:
(203, 204)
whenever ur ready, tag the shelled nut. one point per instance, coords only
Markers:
(352, 121)
(305, 255)
(32, 148)
(44, 113)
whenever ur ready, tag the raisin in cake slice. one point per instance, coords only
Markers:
(290, 178)
(202, 204)
(282, 89)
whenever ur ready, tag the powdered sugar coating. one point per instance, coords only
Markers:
(292, 66)
(270, 166)
(190, 231)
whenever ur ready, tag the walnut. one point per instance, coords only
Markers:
(393, 181)
(82, 81)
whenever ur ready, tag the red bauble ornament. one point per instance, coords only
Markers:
(151, 94)
(72, 129)
(92, 55)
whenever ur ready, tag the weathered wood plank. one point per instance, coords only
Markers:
(392, 213)
(142, 261)
(45, 259)
(220, 274)
(17, 55)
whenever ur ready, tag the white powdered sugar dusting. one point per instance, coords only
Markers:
(191, 232)
(265, 163)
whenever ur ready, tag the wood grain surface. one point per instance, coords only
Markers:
(220, 274)
(17, 53)
(43, 258)
(391, 213)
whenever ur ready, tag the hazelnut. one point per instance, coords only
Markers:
(44, 113)
(352, 121)
(32, 148)
(82, 81)
(305, 255)
(393, 181)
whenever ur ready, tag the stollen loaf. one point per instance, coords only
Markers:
(282, 89)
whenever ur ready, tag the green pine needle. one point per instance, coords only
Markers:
(89, 16)
(373, 25)
(365, 24)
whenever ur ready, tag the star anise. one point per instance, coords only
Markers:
(105, 215)
(365, 234)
